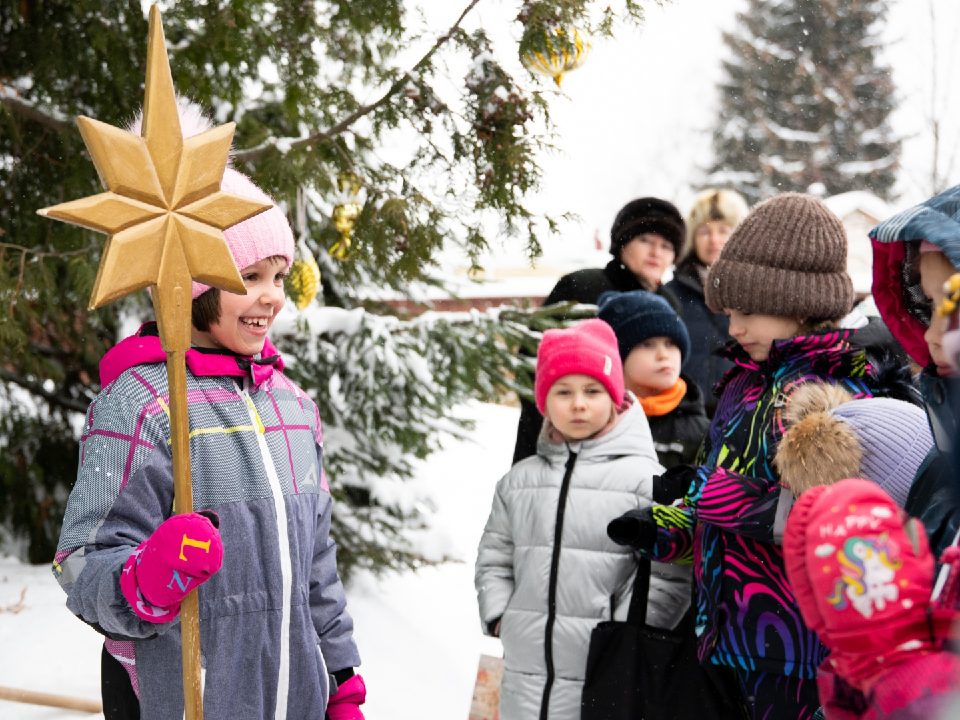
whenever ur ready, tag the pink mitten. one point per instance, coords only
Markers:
(346, 701)
(180, 555)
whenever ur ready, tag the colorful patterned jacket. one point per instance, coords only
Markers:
(273, 620)
(732, 519)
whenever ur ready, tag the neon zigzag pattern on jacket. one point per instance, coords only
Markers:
(747, 615)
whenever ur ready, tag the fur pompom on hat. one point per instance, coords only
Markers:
(587, 348)
(647, 215)
(788, 258)
(265, 235)
(832, 436)
(715, 205)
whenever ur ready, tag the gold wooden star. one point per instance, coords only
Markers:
(163, 209)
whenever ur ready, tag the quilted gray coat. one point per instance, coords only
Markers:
(547, 568)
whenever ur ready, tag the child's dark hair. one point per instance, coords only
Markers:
(206, 307)
(206, 310)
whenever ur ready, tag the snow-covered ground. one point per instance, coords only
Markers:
(418, 633)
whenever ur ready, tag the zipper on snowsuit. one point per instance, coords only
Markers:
(552, 591)
(283, 538)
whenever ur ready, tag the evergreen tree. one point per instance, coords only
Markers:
(297, 77)
(805, 102)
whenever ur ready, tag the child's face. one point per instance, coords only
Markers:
(935, 270)
(756, 333)
(578, 406)
(652, 367)
(245, 319)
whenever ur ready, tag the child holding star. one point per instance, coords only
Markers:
(276, 639)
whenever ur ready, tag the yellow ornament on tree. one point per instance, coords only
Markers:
(303, 284)
(346, 211)
(561, 52)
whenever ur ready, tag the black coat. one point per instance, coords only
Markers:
(935, 500)
(585, 287)
(678, 434)
(709, 331)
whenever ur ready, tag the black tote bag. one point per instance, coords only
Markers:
(638, 672)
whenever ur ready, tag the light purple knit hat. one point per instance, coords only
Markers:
(263, 235)
(895, 438)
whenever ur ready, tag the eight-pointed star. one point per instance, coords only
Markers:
(163, 209)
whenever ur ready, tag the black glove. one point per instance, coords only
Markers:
(674, 484)
(636, 528)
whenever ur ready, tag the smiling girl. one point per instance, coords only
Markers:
(276, 639)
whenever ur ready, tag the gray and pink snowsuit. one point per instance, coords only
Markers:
(273, 621)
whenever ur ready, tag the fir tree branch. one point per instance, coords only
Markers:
(12, 100)
(37, 389)
(16, 290)
(255, 153)
(24, 251)
(47, 253)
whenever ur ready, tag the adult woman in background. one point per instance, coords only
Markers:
(645, 240)
(714, 215)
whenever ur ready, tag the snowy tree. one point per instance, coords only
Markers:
(436, 151)
(805, 104)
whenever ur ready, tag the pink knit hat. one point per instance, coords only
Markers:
(263, 235)
(588, 348)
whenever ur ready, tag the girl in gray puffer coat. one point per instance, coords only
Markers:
(546, 570)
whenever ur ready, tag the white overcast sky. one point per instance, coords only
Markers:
(635, 119)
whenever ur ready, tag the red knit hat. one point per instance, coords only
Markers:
(587, 348)
(862, 572)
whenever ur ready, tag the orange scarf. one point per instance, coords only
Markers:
(664, 402)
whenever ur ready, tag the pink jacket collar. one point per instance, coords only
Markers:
(140, 349)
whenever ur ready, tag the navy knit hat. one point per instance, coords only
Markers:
(638, 315)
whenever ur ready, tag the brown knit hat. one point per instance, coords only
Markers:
(787, 258)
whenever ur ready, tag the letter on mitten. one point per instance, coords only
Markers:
(181, 555)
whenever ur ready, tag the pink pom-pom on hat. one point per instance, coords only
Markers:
(588, 348)
(262, 236)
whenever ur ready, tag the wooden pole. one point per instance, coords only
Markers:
(183, 492)
(47, 700)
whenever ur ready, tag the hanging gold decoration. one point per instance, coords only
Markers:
(303, 284)
(951, 290)
(345, 213)
(558, 57)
